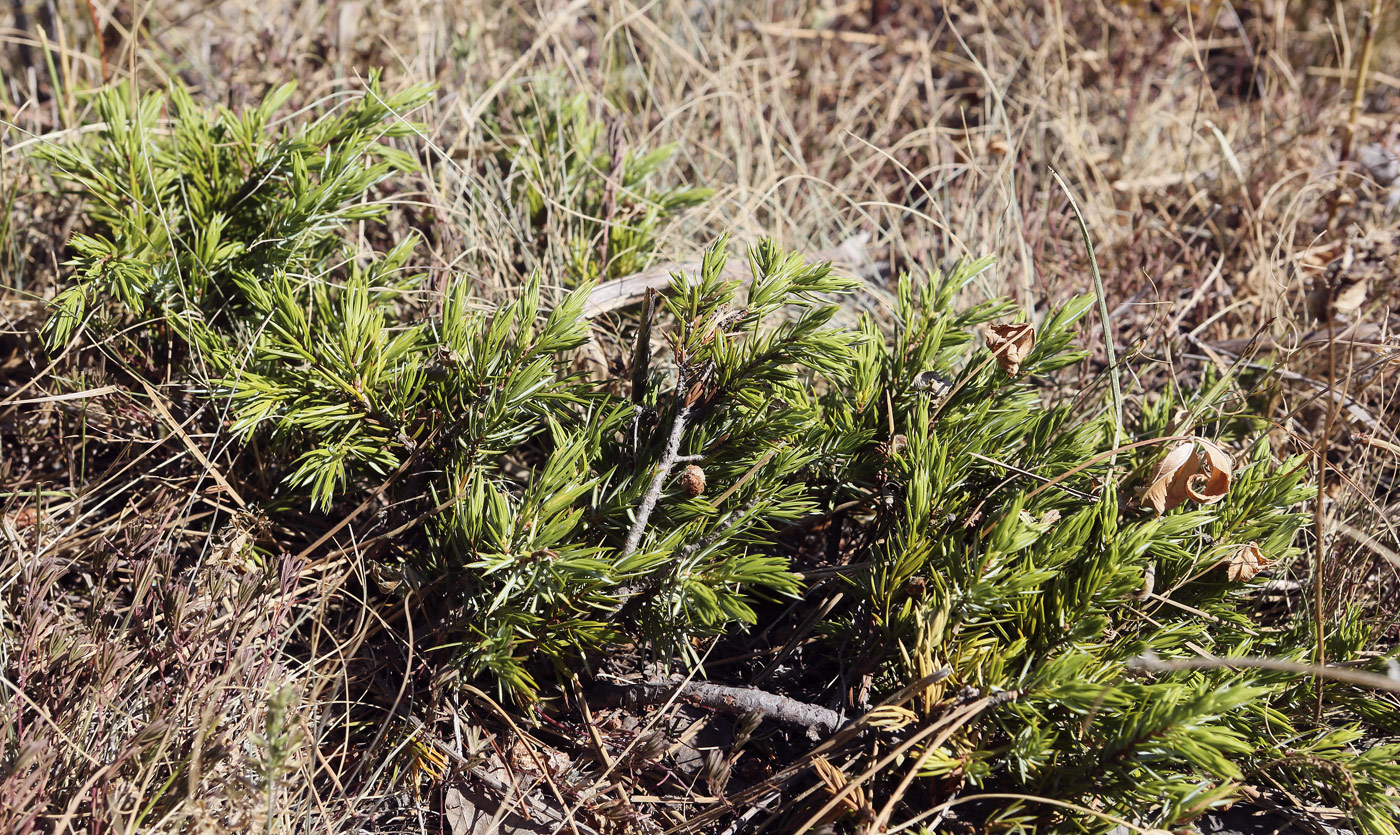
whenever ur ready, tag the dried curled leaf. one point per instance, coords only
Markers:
(1245, 563)
(1211, 486)
(1011, 344)
(932, 383)
(1349, 299)
(1180, 476)
(1167, 487)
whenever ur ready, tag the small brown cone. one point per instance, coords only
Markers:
(693, 480)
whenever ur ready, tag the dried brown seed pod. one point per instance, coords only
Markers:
(1011, 344)
(1244, 564)
(693, 480)
(1180, 476)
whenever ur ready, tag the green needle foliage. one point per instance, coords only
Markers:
(550, 145)
(1045, 595)
(194, 210)
(551, 517)
(521, 477)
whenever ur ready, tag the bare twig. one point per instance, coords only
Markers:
(1320, 520)
(1084, 465)
(641, 353)
(627, 751)
(744, 479)
(525, 739)
(818, 721)
(1359, 678)
(663, 471)
(945, 726)
(837, 740)
(726, 524)
(74, 395)
(1049, 801)
(177, 428)
(641, 363)
(1078, 494)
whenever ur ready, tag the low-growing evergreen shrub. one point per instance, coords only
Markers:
(552, 515)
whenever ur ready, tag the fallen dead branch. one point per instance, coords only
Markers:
(818, 721)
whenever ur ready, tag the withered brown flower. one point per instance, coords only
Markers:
(1011, 344)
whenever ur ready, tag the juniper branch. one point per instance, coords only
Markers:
(725, 525)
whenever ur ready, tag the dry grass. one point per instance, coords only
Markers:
(1204, 143)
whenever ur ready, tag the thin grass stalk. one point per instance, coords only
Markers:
(1102, 300)
(1372, 22)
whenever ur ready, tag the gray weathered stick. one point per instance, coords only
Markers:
(737, 701)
